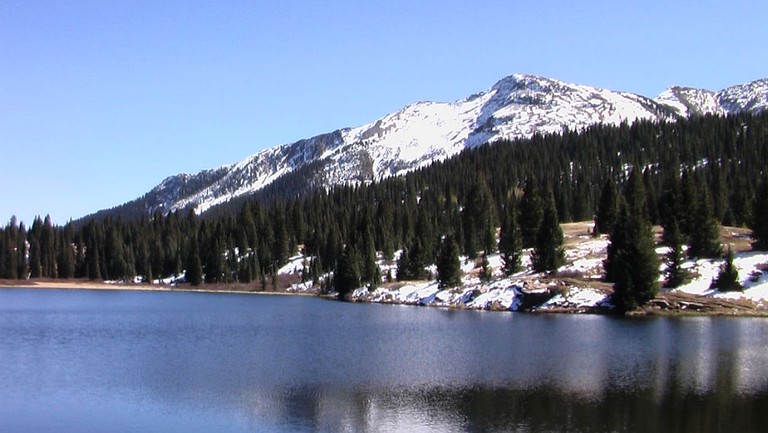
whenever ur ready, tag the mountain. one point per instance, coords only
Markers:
(515, 107)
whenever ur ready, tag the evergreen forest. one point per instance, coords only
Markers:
(688, 175)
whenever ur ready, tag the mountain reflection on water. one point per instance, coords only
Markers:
(128, 362)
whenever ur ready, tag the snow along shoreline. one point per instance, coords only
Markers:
(577, 287)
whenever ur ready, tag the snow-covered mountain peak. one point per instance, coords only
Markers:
(688, 100)
(751, 96)
(516, 106)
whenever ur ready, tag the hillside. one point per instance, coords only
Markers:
(577, 286)
(516, 107)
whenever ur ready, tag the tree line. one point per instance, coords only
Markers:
(689, 175)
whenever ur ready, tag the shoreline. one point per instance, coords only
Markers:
(661, 306)
(132, 287)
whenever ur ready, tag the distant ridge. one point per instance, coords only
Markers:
(515, 107)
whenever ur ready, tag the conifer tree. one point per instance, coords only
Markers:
(403, 265)
(759, 222)
(424, 235)
(728, 278)
(670, 208)
(608, 208)
(689, 204)
(675, 274)
(486, 272)
(510, 241)
(548, 254)
(214, 263)
(346, 276)
(35, 266)
(3, 255)
(448, 266)
(416, 262)
(704, 237)
(21, 252)
(631, 263)
(194, 266)
(65, 258)
(531, 212)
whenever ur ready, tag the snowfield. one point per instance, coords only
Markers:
(751, 275)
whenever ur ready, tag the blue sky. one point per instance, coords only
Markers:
(101, 100)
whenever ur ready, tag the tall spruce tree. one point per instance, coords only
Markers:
(531, 212)
(675, 274)
(346, 276)
(548, 254)
(704, 237)
(403, 265)
(608, 208)
(670, 209)
(728, 278)
(194, 267)
(631, 263)
(479, 219)
(510, 241)
(448, 266)
(759, 221)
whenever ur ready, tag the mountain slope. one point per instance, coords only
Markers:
(515, 107)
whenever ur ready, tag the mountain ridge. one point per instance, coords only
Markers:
(516, 106)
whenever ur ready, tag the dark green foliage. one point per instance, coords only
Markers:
(194, 267)
(510, 241)
(548, 254)
(632, 264)
(252, 236)
(403, 265)
(759, 222)
(448, 266)
(689, 204)
(608, 208)
(479, 219)
(486, 272)
(728, 278)
(346, 276)
(704, 234)
(675, 274)
(411, 264)
(671, 211)
(531, 213)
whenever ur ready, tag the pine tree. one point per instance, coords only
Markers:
(728, 278)
(759, 221)
(403, 265)
(548, 254)
(214, 263)
(510, 241)
(448, 266)
(369, 270)
(486, 272)
(675, 274)
(689, 204)
(704, 237)
(531, 212)
(608, 208)
(631, 263)
(65, 253)
(346, 276)
(670, 208)
(194, 267)
(412, 263)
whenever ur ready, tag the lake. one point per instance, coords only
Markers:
(112, 361)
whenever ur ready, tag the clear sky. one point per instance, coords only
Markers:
(101, 100)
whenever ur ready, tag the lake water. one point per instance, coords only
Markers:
(91, 361)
